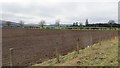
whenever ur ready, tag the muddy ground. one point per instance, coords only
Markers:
(35, 45)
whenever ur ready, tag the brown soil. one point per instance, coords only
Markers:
(35, 45)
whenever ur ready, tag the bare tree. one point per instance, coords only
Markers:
(21, 24)
(76, 23)
(86, 22)
(80, 24)
(111, 22)
(42, 23)
(57, 23)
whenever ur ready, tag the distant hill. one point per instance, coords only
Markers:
(3, 23)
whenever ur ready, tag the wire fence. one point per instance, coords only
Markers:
(26, 47)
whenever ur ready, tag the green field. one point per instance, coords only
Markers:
(75, 28)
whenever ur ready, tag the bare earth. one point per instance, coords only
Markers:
(34, 45)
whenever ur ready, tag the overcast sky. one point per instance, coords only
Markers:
(68, 11)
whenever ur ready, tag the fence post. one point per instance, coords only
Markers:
(57, 54)
(11, 57)
(77, 47)
(91, 38)
(100, 41)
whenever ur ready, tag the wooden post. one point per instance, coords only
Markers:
(11, 57)
(100, 40)
(91, 40)
(77, 47)
(57, 54)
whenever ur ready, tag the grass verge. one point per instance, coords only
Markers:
(104, 53)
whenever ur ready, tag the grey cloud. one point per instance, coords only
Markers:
(68, 11)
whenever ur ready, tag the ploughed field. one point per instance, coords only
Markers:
(34, 45)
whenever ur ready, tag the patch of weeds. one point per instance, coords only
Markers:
(70, 56)
(114, 63)
(96, 55)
